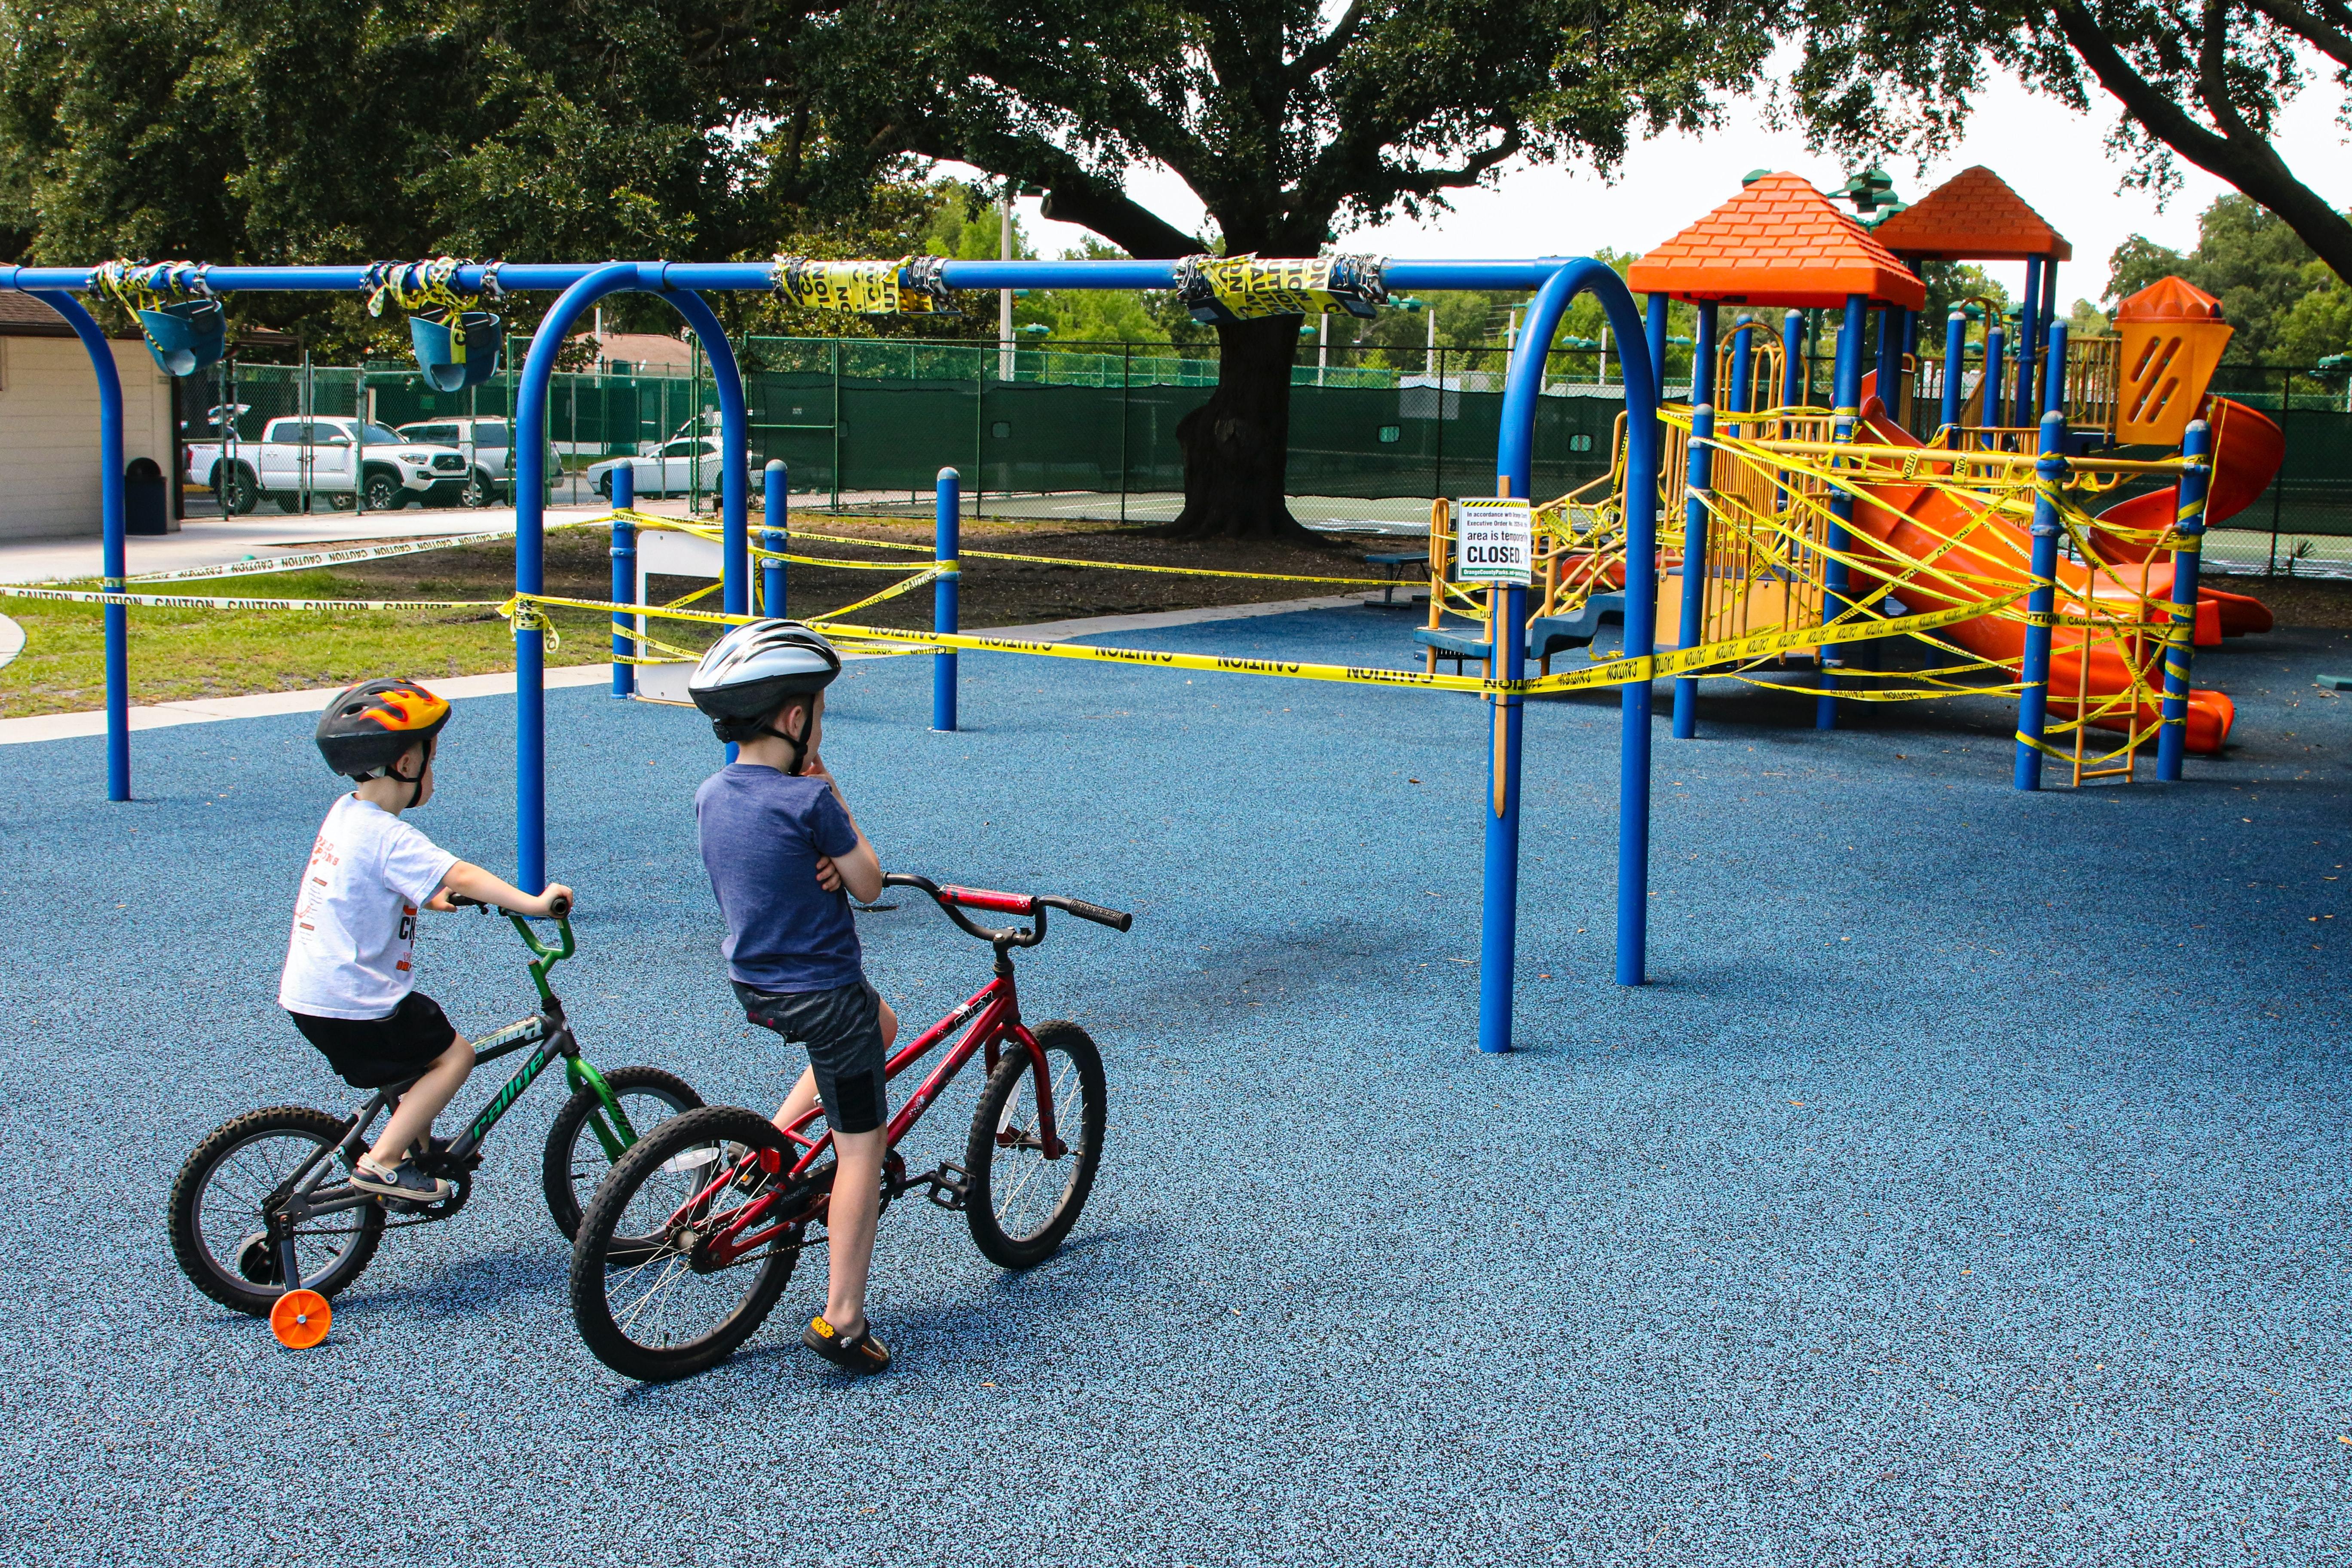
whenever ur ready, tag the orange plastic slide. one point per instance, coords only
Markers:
(2247, 451)
(1920, 522)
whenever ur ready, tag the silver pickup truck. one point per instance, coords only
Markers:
(335, 457)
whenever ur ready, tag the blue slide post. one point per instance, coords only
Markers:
(1515, 456)
(624, 579)
(775, 538)
(1696, 475)
(113, 563)
(2041, 602)
(1996, 402)
(2181, 637)
(1792, 359)
(1837, 576)
(947, 535)
(1956, 364)
(1654, 331)
(2049, 320)
(2029, 338)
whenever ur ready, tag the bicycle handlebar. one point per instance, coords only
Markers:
(953, 900)
(560, 909)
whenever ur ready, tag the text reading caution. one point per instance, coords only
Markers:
(1497, 541)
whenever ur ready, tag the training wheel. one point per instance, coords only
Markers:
(301, 1319)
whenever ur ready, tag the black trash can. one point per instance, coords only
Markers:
(146, 500)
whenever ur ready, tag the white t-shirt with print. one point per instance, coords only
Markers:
(355, 918)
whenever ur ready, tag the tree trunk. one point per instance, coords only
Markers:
(1237, 443)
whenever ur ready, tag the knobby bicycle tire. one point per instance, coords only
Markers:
(996, 1188)
(560, 1172)
(636, 1339)
(359, 1229)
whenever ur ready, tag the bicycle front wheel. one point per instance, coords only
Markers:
(220, 1233)
(1021, 1203)
(651, 1299)
(582, 1144)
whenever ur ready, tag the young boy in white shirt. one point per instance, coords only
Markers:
(348, 983)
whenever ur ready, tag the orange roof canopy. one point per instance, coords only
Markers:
(1777, 242)
(2170, 299)
(1972, 216)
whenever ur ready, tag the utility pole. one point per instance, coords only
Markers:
(1004, 296)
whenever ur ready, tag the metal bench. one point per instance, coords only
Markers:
(1396, 565)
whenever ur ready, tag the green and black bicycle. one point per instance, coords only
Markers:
(265, 1219)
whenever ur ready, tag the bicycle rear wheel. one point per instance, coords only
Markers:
(1021, 1205)
(220, 1235)
(648, 1299)
(576, 1160)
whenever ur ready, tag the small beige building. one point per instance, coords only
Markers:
(48, 421)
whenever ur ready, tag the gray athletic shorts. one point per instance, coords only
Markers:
(843, 1031)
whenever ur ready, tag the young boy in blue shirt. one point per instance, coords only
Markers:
(784, 856)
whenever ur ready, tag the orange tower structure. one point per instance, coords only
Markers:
(1975, 217)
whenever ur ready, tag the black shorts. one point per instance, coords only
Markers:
(373, 1052)
(843, 1031)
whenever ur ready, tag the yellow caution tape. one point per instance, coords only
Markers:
(194, 602)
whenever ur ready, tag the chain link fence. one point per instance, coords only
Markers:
(1074, 431)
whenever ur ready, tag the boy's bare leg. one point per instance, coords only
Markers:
(849, 1227)
(412, 1118)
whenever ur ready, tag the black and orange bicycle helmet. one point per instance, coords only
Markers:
(368, 728)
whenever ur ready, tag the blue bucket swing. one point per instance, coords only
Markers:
(454, 349)
(186, 336)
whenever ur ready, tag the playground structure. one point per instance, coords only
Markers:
(1827, 542)
(1239, 284)
(1796, 521)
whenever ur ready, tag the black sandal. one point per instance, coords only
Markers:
(859, 1352)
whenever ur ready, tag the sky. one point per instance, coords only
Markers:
(2055, 159)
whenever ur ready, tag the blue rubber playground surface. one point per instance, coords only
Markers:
(1968, 1186)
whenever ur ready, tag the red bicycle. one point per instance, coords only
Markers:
(692, 1236)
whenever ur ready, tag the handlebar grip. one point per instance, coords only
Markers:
(460, 901)
(1118, 919)
(558, 909)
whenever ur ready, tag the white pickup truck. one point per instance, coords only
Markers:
(320, 456)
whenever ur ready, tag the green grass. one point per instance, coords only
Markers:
(179, 654)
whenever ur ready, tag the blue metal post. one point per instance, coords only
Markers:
(947, 534)
(1837, 576)
(531, 450)
(1696, 475)
(2181, 637)
(113, 559)
(2029, 338)
(2041, 602)
(776, 539)
(2050, 319)
(1515, 452)
(1890, 354)
(624, 580)
(1653, 331)
(1995, 341)
(2053, 372)
(1792, 359)
(1956, 364)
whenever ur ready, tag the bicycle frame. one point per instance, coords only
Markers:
(305, 1194)
(993, 1015)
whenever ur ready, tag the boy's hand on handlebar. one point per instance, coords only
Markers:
(440, 900)
(557, 900)
(828, 875)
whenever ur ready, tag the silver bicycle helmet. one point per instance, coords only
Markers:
(755, 669)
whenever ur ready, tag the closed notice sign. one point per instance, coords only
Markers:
(1496, 541)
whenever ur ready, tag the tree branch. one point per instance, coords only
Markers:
(1119, 218)
(2248, 163)
(1319, 56)
(2212, 71)
(2310, 26)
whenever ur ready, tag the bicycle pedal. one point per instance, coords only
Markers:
(950, 1186)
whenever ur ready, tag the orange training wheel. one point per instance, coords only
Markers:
(301, 1319)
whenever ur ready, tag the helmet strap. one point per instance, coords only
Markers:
(415, 785)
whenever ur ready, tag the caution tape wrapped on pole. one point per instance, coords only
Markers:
(1221, 290)
(910, 286)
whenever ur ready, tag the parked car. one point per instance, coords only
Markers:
(488, 445)
(328, 457)
(673, 469)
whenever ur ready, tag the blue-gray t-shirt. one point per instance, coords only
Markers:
(761, 834)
